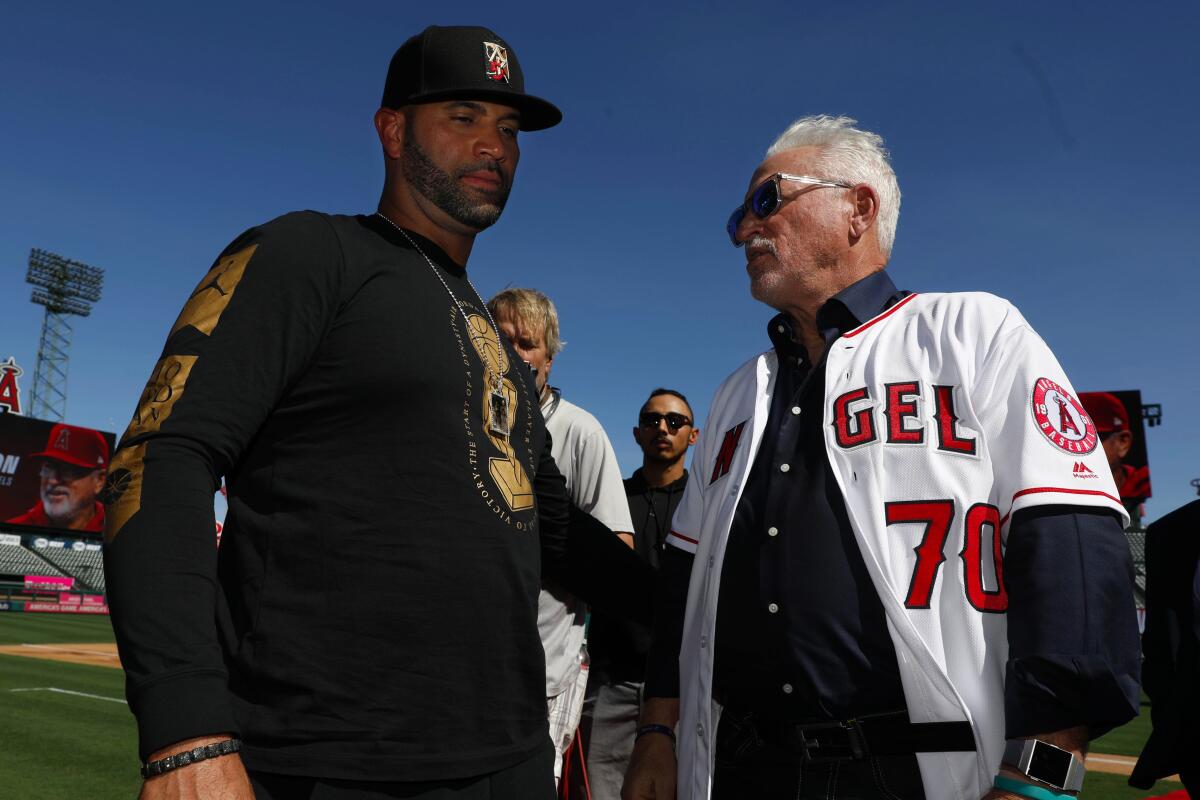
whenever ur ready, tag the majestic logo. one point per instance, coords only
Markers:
(495, 57)
(1061, 418)
(10, 392)
(728, 448)
(1081, 471)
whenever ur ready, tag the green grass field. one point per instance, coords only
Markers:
(52, 628)
(80, 741)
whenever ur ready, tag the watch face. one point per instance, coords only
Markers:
(1049, 764)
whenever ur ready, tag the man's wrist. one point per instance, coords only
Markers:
(659, 711)
(189, 751)
(1045, 763)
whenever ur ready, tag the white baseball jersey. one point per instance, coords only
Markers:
(943, 416)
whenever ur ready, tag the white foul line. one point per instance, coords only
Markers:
(1129, 762)
(68, 691)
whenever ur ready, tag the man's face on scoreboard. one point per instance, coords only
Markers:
(69, 492)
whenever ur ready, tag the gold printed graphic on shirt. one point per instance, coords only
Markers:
(122, 494)
(208, 302)
(162, 391)
(510, 477)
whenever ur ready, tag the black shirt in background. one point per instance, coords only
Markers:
(618, 647)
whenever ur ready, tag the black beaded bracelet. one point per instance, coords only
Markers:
(663, 729)
(202, 753)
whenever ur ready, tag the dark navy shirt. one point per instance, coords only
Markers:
(800, 628)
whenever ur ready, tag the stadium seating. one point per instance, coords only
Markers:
(19, 561)
(83, 561)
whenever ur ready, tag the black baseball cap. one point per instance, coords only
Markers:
(444, 63)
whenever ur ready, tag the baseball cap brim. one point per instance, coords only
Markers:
(66, 458)
(536, 114)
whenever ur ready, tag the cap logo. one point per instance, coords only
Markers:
(495, 57)
(64, 440)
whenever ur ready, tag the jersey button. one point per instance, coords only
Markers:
(773, 608)
(772, 531)
(787, 688)
(795, 409)
(703, 641)
(784, 467)
(700, 731)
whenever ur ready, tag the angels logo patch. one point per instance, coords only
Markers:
(495, 57)
(1061, 418)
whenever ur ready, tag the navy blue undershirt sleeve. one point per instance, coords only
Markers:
(670, 601)
(1074, 657)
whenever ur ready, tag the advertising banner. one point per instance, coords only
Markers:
(10, 539)
(48, 582)
(58, 608)
(51, 474)
(69, 599)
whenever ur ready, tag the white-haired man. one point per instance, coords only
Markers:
(906, 546)
(586, 459)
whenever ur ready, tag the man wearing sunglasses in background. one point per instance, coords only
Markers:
(664, 433)
(897, 563)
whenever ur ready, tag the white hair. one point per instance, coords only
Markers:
(849, 155)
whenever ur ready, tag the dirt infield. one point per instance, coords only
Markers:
(102, 654)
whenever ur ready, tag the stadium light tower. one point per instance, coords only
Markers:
(65, 288)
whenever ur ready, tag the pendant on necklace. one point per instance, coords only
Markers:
(499, 422)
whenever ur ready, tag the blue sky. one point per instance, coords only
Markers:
(1045, 153)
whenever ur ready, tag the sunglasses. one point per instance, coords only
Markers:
(650, 419)
(765, 200)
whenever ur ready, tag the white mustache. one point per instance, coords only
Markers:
(761, 243)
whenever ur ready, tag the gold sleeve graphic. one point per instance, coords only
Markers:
(207, 303)
(510, 477)
(123, 490)
(162, 391)
(122, 495)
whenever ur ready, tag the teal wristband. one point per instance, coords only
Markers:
(1028, 790)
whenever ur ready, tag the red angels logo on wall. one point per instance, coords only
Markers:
(10, 392)
(1061, 418)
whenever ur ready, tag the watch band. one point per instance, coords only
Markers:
(182, 759)
(665, 730)
(1045, 763)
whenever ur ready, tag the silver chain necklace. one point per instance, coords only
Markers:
(499, 421)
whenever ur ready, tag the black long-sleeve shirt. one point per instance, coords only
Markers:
(833, 659)
(618, 646)
(373, 607)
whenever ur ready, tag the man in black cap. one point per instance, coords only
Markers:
(369, 628)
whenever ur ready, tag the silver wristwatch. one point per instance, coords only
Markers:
(1045, 763)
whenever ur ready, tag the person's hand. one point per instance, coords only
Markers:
(651, 773)
(220, 778)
